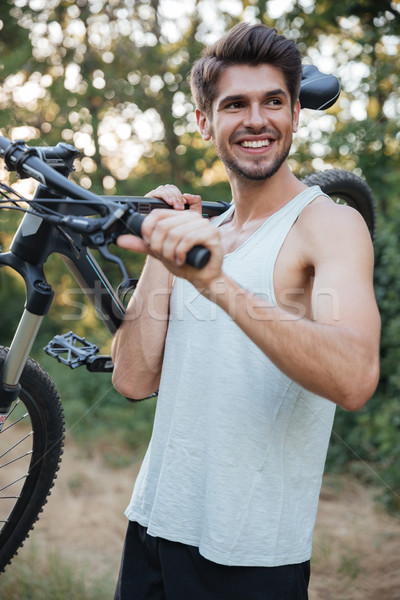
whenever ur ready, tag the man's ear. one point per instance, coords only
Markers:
(202, 122)
(296, 116)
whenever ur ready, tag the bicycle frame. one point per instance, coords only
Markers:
(35, 240)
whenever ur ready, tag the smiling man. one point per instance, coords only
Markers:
(250, 354)
(244, 96)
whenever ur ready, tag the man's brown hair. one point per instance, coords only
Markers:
(250, 45)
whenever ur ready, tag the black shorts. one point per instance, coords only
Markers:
(157, 569)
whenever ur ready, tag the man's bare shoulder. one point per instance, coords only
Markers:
(325, 211)
(325, 227)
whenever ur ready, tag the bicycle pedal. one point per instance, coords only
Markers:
(100, 364)
(71, 349)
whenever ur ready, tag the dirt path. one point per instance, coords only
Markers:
(356, 547)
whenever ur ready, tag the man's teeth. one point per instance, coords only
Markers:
(256, 144)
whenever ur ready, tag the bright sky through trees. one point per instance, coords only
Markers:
(109, 76)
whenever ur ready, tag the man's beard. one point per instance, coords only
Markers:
(253, 172)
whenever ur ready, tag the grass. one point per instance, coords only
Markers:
(29, 577)
(95, 413)
(99, 420)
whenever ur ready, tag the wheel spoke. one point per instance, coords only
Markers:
(16, 444)
(16, 459)
(13, 408)
(14, 422)
(9, 498)
(14, 482)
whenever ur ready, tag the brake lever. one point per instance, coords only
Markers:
(110, 232)
(107, 255)
(100, 233)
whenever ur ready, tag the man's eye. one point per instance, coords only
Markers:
(234, 105)
(275, 101)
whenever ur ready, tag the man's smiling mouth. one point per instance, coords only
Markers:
(256, 144)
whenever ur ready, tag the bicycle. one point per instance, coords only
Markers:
(66, 219)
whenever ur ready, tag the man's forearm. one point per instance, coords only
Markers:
(333, 361)
(138, 345)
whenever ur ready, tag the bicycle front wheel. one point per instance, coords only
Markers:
(31, 445)
(345, 187)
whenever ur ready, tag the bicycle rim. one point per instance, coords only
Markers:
(31, 445)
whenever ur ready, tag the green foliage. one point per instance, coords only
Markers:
(367, 442)
(111, 78)
(359, 42)
(362, 38)
(10, 289)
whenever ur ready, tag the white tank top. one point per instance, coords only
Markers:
(236, 458)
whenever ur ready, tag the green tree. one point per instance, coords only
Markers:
(110, 76)
(360, 42)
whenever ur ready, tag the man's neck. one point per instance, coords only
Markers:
(257, 199)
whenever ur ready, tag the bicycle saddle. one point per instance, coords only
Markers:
(317, 90)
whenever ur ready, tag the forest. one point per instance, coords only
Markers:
(111, 78)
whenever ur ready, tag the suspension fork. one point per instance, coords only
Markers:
(39, 295)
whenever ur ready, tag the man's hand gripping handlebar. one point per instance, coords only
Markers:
(197, 257)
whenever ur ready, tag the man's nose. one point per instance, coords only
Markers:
(255, 117)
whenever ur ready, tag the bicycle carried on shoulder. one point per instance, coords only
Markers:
(65, 219)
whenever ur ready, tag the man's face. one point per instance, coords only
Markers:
(252, 121)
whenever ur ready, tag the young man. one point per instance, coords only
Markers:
(250, 354)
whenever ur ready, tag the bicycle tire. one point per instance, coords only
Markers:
(31, 445)
(346, 187)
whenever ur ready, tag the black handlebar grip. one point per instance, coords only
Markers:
(134, 223)
(197, 257)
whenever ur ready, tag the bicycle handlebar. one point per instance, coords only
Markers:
(31, 162)
(27, 163)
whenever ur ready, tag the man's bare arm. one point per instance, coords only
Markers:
(138, 346)
(335, 353)
(335, 358)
